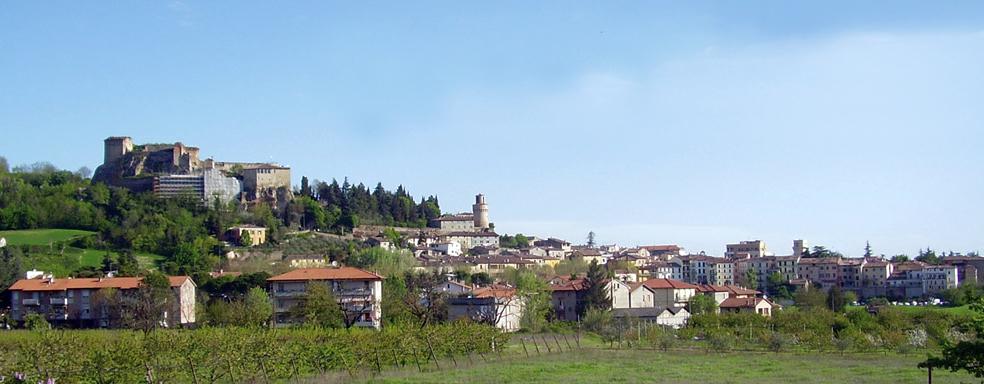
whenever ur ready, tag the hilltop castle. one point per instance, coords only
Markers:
(175, 169)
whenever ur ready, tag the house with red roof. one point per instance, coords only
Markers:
(497, 305)
(359, 294)
(757, 305)
(670, 293)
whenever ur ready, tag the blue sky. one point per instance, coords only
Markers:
(646, 122)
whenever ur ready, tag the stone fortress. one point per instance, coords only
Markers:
(171, 170)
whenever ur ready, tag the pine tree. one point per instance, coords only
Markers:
(867, 249)
(595, 296)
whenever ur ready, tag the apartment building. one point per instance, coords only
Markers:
(359, 293)
(746, 249)
(83, 303)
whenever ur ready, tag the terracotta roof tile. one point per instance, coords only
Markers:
(342, 273)
(668, 284)
(41, 285)
(734, 302)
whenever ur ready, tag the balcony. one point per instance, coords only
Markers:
(30, 302)
(354, 292)
(60, 301)
(289, 293)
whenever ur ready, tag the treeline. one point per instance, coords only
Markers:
(232, 355)
(809, 329)
(183, 231)
(346, 206)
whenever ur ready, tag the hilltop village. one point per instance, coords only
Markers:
(353, 239)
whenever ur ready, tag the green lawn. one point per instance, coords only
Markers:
(643, 366)
(61, 264)
(41, 236)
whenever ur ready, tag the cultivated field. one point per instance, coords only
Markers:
(646, 366)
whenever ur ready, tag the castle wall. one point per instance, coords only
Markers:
(115, 148)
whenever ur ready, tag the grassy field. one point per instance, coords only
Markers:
(63, 263)
(41, 236)
(643, 366)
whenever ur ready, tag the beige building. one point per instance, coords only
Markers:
(469, 240)
(455, 223)
(265, 179)
(78, 302)
(745, 249)
(670, 293)
(359, 294)
(257, 235)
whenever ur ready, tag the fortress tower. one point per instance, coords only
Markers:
(116, 147)
(481, 212)
(800, 247)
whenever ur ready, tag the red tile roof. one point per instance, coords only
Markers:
(496, 291)
(668, 284)
(569, 285)
(342, 273)
(661, 248)
(750, 302)
(42, 285)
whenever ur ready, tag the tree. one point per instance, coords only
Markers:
(751, 279)
(901, 258)
(245, 239)
(595, 292)
(701, 304)
(36, 322)
(319, 307)
(393, 236)
(127, 265)
(810, 298)
(535, 295)
(481, 279)
(424, 299)
(382, 261)
(835, 299)
(821, 252)
(929, 257)
(774, 282)
(257, 308)
(108, 264)
(591, 239)
(145, 308)
(4, 166)
(83, 172)
(867, 249)
(305, 188)
(966, 355)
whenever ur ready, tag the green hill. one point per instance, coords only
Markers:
(42, 236)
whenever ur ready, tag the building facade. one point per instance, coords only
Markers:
(85, 302)
(359, 294)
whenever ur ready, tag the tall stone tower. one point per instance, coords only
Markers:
(116, 147)
(481, 212)
(800, 247)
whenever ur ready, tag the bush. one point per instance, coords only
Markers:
(719, 342)
(776, 341)
(36, 322)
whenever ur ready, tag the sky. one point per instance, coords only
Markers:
(692, 123)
